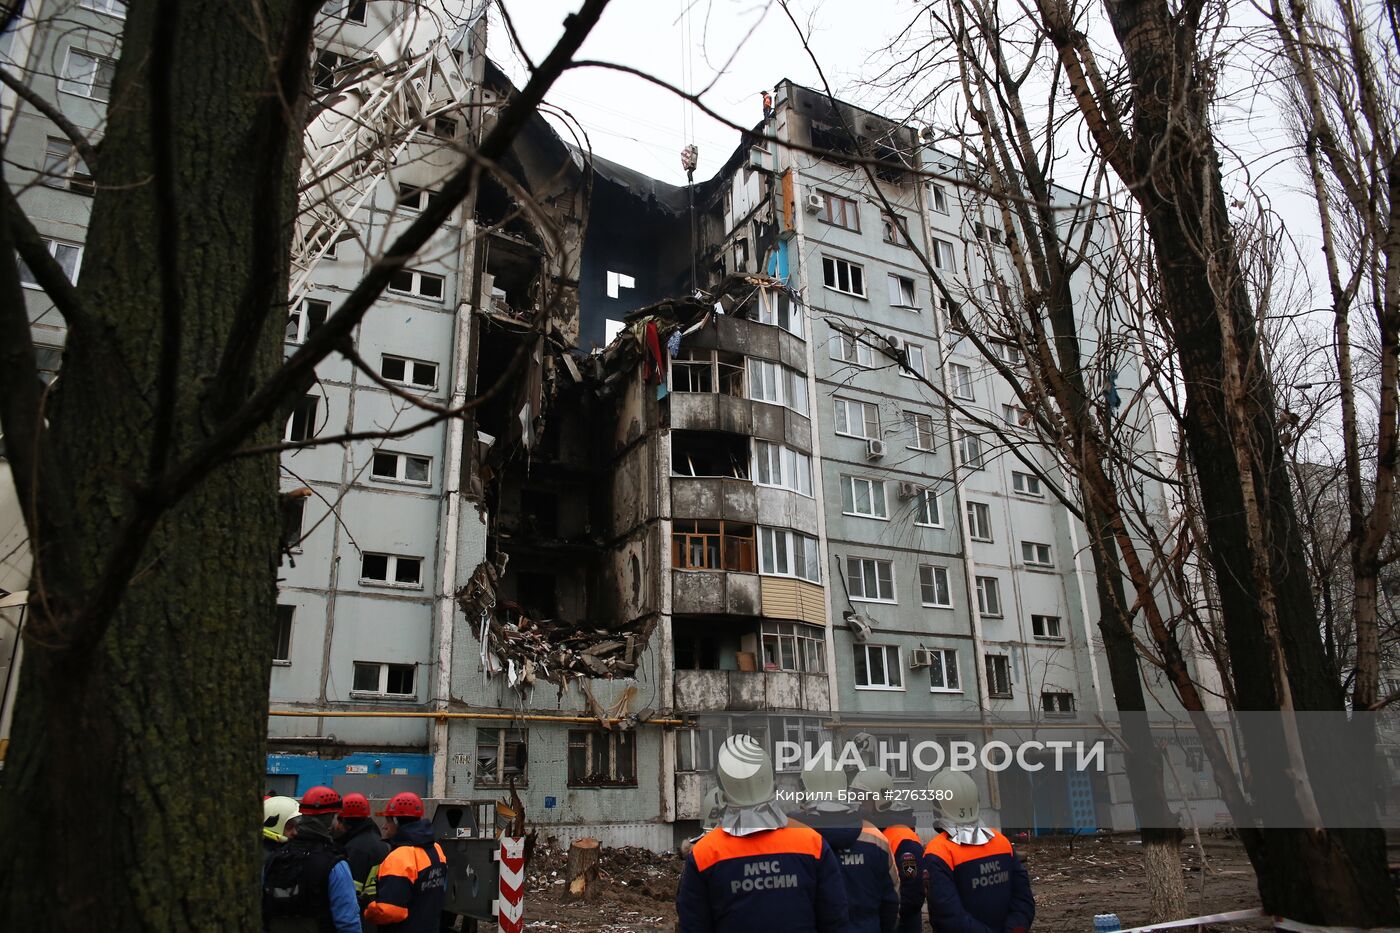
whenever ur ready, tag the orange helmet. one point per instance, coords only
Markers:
(406, 803)
(354, 805)
(320, 800)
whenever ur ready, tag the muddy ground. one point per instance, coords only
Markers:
(1072, 879)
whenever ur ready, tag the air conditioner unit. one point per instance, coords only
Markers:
(920, 658)
(908, 489)
(894, 341)
(874, 449)
(814, 203)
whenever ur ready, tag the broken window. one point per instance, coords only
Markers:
(695, 370)
(1046, 627)
(696, 748)
(1026, 484)
(838, 211)
(943, 255)
(401, 468)
(415, 198)
(380, 679)
(301, 426)
(538, 592)
(418, 284)
(602, 759)
(712, 545)
(894, 229)
(540, 508)
(709, 453)
(64, 168)
(777, 308)
(914, 361)
(938, 198)
(302, 321)
(618, 281)
(501, 755)
(999, 676)
(282, 649)
(328, 69)
(842, 275)
(783, 467)
(1057, 703)
(391, 570)
(352, 11)
(793, 646)
(902, 293)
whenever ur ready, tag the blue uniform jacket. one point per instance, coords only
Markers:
(781, 879)
(908, 851)
(866, 866)
(976, 889)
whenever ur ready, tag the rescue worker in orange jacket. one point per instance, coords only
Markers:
(413, 876)
(755, 872)
(973, 880)
(896, 820)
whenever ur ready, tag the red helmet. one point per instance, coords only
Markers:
(320, 800)
(354, 805)
(405, 804)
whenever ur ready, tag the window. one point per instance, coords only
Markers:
(711, 545)
(1026, 484)
(861, 495)
(303, 320)
(87, 75)
(783, 467)
(293, 521)
(64, 168)
(696, 748)
(894, 229)
(970, 451)
(926, 509)
(989, 597)
(878, 668)
(1057, 703)
(934, 589)
(602, 759)
(838, 211)
(1046, 627)
(1015, 415)
(115, 8)
(901, 290)
(843, 276)
(444, 127)
(282, 651)
(501, 754)
(301, 426)
(920, 430)
(961, 378)
(783, 553)
(694, 370)
(914, 357)
(1036, 555)
(792, 646)
(851, 349)
(999, 676)
(350, 10)
(415, 198)
(418, 284)
(373, 677)
(943, 671)
(870, 580)
(764, 382)
(417, 374)
(979, 521)
(857, 419)
(938, 198)
(943, 255)
(391, 570)
(68, 255)
(795, 390)
(326, 70)
(401, 468)
(776, 307)
(1008, 353)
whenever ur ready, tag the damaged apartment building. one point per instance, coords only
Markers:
(690, 485)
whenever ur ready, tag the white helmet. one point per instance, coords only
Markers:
(277, 811)
(745, 772)
(825, 788)
(711, 807)
(876, 785)
(955, 798)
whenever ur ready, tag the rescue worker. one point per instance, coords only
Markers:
(973, 881)
(755, 872)
(306, 883)
(364, 848)
(895, 819)
(867, 866)
(413, 877)
(277, 812)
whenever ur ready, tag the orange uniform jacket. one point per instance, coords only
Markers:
(412, 885)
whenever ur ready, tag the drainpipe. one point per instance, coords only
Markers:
(1084, 613)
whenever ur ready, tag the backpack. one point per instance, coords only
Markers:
(294, 888)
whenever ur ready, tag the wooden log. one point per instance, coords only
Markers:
(583, 868)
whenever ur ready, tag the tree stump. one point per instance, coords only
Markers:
(583, 868)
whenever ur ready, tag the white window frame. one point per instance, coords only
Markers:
(961, 378)
(500, 775)
(85, 87)
(1027, 484)
(383, 690)
(938, 198)
(943, 656)
(1046, 623)
(778, 550)
(415, 289)
(916, 432)
(862, 353)
(410, 372)
(61, 167)
(304, 321)
(795, 391)
(1037, 555)
(971, 454)
(942, 255)
(766, 381)
(776, 307)
(875, 563)
(344, 8)
(917, 361)
(903, 292)
(794, 467)
(935, 573)
(422, 196)
(990, 662)
(1013, 414)
(921, 502)
(842, 412)
(894, 229)
(314, 402)
(979, 521)
(989, 591)
(1059, 712)
(285, 619)
(806, 642)
(391, 569)
(887, 654)
(400, 476)
(26, 275)
(849, 482)
(113, 8)
(837, 265)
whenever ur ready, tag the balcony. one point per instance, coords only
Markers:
(712, 691)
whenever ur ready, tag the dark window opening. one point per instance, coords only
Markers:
(709, 453)
(602, 759)
(538, 592)
(540, 510)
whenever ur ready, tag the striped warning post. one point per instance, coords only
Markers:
(509, 907)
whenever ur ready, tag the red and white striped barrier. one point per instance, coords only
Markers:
(509, 907)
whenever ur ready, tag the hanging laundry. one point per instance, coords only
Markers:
(673, 343)
(653, 370)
